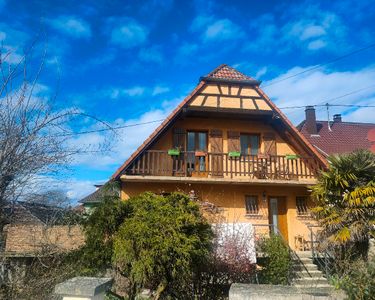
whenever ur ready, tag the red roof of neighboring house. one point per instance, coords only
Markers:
(344, 137)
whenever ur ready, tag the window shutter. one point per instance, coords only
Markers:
(216, 141)
(179, 138)
(269, 140)
(234, 141)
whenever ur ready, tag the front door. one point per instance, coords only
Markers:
(277, 216)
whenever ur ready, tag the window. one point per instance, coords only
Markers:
(249, 144)
(251, 203)
(301, 203)
(196, 141)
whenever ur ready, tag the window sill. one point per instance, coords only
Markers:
(253, 216)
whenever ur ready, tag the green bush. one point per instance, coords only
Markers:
(358, 281)
(161, 244)
(100, 228)
(277, 263)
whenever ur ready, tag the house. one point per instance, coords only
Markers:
(228, 144)
(92, 200)
(337, 136)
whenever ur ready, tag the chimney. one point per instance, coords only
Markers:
(337, 118)
(311, 120)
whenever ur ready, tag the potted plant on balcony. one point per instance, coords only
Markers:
(174, 152)
(291, 156)
(200, 153)
(234, 154)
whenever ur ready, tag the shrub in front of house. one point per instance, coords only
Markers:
(277, 263)
(161, 244)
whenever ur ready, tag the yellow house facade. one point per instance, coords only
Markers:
(230, 148)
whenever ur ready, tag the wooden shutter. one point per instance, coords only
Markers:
(234, 141)
(216, 141)
(179, 138)
(269, 140)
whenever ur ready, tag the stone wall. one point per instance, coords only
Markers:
(36, 238)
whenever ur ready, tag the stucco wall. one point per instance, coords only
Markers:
(230, 198)
(243, 126)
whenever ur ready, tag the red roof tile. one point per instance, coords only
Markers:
(344, 137)
(228, 73)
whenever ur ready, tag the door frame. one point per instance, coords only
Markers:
(282, 215)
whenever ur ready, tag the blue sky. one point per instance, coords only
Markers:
(129, 62)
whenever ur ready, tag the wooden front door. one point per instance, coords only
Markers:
(277, 212)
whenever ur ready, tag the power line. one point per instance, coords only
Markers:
(320, 65)
(336, 98)
(111, 128)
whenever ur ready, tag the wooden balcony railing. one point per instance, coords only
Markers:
(202, 164)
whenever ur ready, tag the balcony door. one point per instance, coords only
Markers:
(277, 212)
(197, 152)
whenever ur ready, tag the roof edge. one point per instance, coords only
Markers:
(231, 81)
(294, 130)
(157, 131)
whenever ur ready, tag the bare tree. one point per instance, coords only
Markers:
(34, 135)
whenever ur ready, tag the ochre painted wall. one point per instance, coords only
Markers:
(230, 199)
(206, 124)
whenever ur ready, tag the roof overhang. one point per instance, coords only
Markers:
(231, 81)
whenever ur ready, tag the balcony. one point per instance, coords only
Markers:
(224, 165)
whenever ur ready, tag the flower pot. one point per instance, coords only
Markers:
(234, 154)
(174, 152)
(200, 153)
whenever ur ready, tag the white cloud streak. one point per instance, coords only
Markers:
(71, 26)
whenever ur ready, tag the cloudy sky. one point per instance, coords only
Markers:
(130, 62)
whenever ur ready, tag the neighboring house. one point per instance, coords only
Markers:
(229, 145)
(34, 228)
(336, 137)
(92, 200)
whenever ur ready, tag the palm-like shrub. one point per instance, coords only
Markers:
(345, 198)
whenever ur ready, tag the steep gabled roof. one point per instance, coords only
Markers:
(344, 137)
(225, 74)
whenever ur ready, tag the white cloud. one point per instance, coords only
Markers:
(216, 29)
(316, 44)
(72, 26)
(301, 26)
(318, 87)
(262, 71)
(135, 91)
(151, 54)
(160, 90)
(312, 31)
(129, 34)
